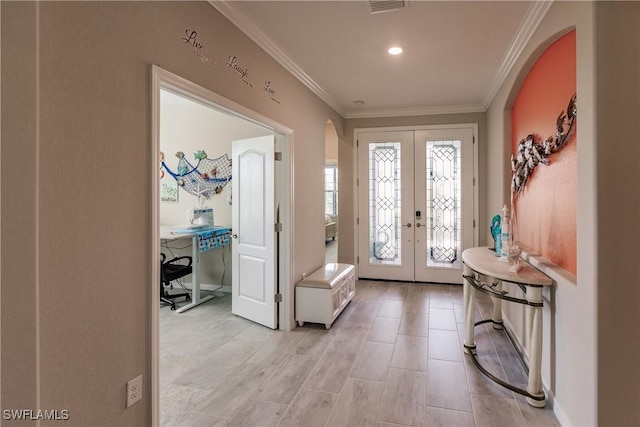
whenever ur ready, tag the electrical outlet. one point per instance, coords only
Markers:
(134, 390)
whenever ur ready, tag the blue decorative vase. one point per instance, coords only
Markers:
(496, 233)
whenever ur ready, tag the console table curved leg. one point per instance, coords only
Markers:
(469, 295)
(497, 304)
(534, 386)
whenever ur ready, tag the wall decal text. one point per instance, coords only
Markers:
(240, 71)
(233, 64)
(191, 38)
(270, 91)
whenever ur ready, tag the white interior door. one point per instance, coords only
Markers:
(415, 204)
(253, 279)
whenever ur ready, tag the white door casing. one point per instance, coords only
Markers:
(253, 279)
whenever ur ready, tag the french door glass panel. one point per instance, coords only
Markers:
(385, 203)
(443, 202)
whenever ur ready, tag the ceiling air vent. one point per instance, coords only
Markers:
(378, 6)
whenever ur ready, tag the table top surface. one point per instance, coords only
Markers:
(174, 233)
(484, 261)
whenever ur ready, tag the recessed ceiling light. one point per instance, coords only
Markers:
(395, 50)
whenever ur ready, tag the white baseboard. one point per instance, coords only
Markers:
(562, 417)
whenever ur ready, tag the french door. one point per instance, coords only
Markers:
(415, 203)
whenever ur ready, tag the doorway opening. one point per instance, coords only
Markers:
(178, 90)
(188, 130)
(331, 215)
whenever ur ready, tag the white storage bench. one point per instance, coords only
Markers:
(322, 295)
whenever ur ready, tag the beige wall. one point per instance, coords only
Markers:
(89, 192)
(588, 355)
(346, 204)
(618, 202)
(19, 177)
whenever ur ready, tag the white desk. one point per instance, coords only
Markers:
(170, 234)
(482, 261)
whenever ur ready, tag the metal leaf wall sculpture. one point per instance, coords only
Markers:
(531, 151)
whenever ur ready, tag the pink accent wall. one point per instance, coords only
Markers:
(546, 211)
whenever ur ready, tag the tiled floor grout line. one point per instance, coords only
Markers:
(251, 396)
(524, 421)
(302, 387)
(379, 293)
(306, 379)
(350, 369)
(389, 367)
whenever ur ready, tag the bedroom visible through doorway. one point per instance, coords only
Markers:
(163, 82)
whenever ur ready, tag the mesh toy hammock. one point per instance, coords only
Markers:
(206, 178)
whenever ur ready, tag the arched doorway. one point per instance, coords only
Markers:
(331, 193)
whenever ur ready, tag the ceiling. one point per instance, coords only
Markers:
(456, 53)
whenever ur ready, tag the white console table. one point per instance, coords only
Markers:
(483, 262)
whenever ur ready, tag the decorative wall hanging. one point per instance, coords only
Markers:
(531, 151)
(169, 191)
(206, 178)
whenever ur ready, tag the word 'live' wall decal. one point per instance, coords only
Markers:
(531, 151)
(232, 64)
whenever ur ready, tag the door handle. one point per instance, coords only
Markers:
(234, 235)
(408, 225)
(418, 225)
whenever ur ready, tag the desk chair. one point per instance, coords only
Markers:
(170, 271)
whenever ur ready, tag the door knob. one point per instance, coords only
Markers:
(234, 235)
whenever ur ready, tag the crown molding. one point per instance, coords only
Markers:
(532, 19)
(245, 25)
(418, 111)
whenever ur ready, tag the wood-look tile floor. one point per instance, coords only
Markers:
(393, 358)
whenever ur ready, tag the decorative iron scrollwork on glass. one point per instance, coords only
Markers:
(384, 200)
(443, 195)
